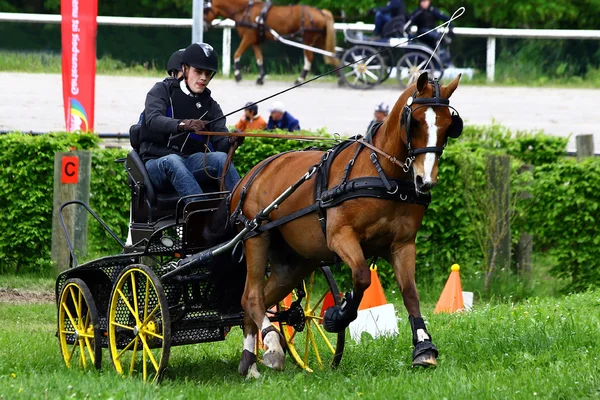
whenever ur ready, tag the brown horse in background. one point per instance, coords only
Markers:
(355, 229)
(314, 26)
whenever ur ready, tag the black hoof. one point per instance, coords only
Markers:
(341, 82)
(425, 355)
(298, 81)
(260, 81)
(238, 77)
(335, 320)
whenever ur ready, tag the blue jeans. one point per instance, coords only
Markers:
(381, 18)
(186, 174)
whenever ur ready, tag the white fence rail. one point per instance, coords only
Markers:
(490, 33)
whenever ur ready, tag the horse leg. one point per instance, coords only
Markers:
(403, 259)
(237, 56)
(247, 366)
(253, 302)
(259, 62)
(308, 59)
(346, 244)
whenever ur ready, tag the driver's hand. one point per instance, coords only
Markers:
(191, 125)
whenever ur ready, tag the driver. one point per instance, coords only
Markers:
(384, 14)
(175, 109)
(425, 17)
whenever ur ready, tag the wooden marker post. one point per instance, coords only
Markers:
(72, 172)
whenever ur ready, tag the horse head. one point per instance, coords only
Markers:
(210, 13)
(427, 121)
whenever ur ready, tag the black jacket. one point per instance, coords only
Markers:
(427, 19)
(169, 102)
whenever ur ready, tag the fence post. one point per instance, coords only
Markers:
(499, 183)
(198, 21)
(524, 248)
(585, 146)
(226, 51)
(491, 58)
(72, 172)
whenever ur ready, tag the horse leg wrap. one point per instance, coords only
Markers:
(261, 74)
(270, 329)
(236, 71)
(421, 338)
(248, 358)
(337, 318)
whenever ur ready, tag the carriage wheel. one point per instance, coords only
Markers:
(79, 333)
(367, 73)
(412, 65)
(308, 343)
(139, 321)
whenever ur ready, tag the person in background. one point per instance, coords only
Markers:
(251, 121)
(281, 119)
(175, 153)
(384, 14)
(425, 18)
(381, 112)
(174, 67)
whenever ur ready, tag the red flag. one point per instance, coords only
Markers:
(78, 29)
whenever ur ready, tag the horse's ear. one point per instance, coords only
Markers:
(422, 82)
(452, 86)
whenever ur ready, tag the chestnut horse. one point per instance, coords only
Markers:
(314, 26)
(417, 131)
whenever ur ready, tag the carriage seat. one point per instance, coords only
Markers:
(140, 180)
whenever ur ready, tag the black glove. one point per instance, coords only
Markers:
(238, 139)
(191, 125)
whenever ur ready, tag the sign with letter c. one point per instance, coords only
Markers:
(70, 170)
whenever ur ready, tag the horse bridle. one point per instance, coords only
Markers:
(454, 130)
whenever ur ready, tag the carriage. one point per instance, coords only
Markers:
(371, 61)
(157, 293)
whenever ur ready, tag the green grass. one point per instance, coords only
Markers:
(536, 349)
(32, 282)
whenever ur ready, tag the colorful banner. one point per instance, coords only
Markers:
(78, 29)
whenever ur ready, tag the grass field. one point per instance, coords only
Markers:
(541, 348)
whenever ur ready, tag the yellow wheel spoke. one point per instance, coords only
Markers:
(134, 290)
(70, 316)
(150, 355)
(124, 349)
(86, 335)
(306, 350)
(67, 332)
(156, 335)
(320, 330)
(137, 320)
(316, 306)
(89, 347)
(82, 353)
(144, 363)
(121, 325)
(76, 304)
(71, 353)
(133, 354)
(149, 317)
(314, 345)
(146, 299)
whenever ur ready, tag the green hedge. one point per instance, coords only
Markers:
(446, 236)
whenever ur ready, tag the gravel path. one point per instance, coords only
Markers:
(33, 102)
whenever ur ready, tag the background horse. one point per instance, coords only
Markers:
(314, 26)
(355, 229)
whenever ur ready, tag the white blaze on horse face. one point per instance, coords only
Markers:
(430, 118)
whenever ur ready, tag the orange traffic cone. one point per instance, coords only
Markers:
(374, 295)
(451, 299)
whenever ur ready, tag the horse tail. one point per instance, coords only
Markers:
(330, 38)
(219, 227)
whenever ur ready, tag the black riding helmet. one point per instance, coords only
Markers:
(202, 56)
(174, 63)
